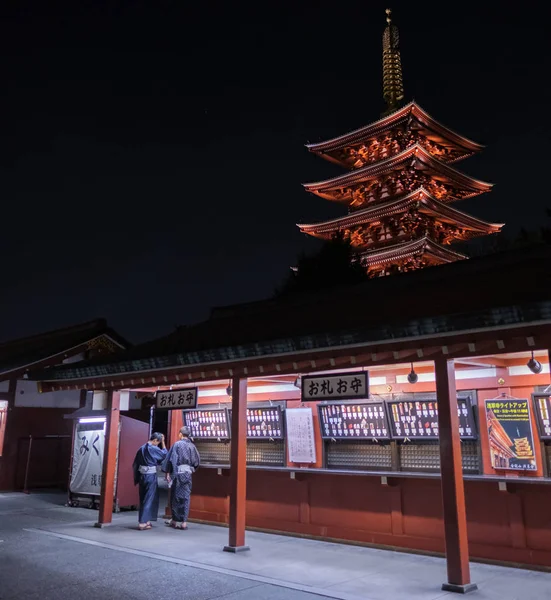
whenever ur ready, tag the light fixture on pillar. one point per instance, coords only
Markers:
(412, 376)
(534, 365)
(298, 382)
(229, 390)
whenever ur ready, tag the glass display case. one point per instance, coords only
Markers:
(356, 436)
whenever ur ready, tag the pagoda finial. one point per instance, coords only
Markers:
(393, 86)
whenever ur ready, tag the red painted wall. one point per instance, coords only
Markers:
(512, 526)
(50, 458)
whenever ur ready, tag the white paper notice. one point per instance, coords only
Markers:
(300, 435)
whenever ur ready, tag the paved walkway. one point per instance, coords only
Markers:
(280, 566)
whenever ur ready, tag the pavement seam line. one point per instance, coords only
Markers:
(187, 563)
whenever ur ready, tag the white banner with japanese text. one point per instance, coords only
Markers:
(87, 461)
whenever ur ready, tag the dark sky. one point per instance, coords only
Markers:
(152, 152)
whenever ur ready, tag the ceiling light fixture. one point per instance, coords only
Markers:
(412, 376)
(534, 365)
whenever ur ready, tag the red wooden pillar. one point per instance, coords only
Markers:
(453, 493)
(238, 472)
(176, 422)
(109, 459)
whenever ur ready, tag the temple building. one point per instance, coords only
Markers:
(400, 187)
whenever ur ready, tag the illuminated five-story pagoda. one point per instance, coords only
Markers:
(400, 185)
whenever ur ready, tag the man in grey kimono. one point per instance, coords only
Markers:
(179, 465)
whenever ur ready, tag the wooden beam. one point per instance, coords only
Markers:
(238, 472)
(109, 459)
(451, 469)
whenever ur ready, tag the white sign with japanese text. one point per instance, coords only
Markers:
(346, 386)
(171, 399)
(87, 462)
(300, 435)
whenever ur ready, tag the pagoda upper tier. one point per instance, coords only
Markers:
(400, 219)
(398, 175)
(391, 135)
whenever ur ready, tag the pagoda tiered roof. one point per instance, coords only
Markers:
(400, 183)
(418, 198)
(443, 143)
(422, 248)
(340, 188)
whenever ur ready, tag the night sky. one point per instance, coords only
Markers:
(152, 153)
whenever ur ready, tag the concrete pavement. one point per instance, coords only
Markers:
(56, 549)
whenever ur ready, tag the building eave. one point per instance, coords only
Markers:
(391, 163)
(377, 127)
(405, 250)
(395, 206)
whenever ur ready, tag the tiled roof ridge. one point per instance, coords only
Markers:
(100, 323)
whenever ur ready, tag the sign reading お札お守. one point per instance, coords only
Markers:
(346, 386)
(171, 399)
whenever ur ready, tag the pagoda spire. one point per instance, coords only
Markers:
(393, 85)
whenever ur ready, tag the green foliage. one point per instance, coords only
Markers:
(333, 266)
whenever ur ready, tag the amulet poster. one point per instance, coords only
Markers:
(510, 435)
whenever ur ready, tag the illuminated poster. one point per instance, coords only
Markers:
(510, 434)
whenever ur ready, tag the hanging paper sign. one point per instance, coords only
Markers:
(182, 399)
(87, 460)
(510, 434)
(542, 404)
(347, 386)
(300, 435)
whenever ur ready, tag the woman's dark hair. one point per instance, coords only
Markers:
(156, 437)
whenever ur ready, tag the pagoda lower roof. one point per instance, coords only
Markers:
(415, 155)
(427, 204)
(390, 254)
(390, 121)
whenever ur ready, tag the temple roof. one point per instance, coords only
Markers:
(17, 356)
(427, 204)
(434, 130)
(415, 155)
(439, 254)
(425, 304)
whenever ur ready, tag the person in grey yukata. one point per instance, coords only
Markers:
(179, 465)
(149, 455)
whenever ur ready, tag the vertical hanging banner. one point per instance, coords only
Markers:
(88, 460)
(510, 434)
(300, 435)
